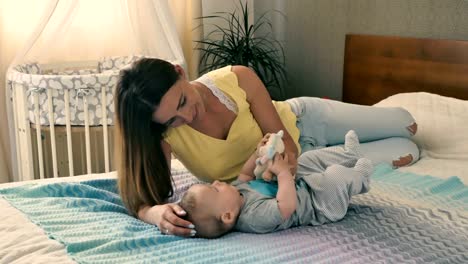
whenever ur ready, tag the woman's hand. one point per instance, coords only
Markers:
(292, 160)
(168, 219)
(263, 142)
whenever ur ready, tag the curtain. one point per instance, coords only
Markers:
(17, 21)
(188, 29)
(20, 18)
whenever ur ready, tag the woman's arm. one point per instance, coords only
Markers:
(263, 110)
(246, 174)
(168, 217)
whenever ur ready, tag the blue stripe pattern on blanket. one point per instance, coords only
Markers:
(404, 218)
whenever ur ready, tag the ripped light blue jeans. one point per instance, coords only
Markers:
(383, 131)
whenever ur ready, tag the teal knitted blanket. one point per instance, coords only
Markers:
(404, 218)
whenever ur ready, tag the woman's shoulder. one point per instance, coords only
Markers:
(230, 78)
(220, 71)
(240, 72)
(247, 79)
(243, 72)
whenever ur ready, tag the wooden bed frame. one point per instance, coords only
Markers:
(376, 67)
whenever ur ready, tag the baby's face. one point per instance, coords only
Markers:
(218, 196)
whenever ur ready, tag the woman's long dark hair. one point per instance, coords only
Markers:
(144, 177)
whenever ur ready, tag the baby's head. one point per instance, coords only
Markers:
(212, 208)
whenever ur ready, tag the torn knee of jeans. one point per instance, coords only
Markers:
(402, 161)
(413, 128)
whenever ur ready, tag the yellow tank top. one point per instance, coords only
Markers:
(212, 159)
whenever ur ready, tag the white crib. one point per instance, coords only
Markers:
(63, 116)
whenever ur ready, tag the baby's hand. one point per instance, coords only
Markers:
(279, 164)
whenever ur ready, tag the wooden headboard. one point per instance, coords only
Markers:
(376, 67)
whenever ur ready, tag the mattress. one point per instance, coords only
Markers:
(417, 214)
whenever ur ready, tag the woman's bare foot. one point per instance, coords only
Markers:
(402, 161)
(413, 128)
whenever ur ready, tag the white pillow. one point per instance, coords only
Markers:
(442, 123)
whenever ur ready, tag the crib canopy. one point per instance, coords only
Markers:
(66, 73)
(87, 30)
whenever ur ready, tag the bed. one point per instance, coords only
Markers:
(416, 214)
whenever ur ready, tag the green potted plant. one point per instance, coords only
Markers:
(240, 43)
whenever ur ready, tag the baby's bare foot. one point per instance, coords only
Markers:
(413, 128)
(402, 161)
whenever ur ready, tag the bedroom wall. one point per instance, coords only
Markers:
(315, 32)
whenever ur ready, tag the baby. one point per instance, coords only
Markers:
(320, 193)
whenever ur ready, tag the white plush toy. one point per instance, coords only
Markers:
(265, 156)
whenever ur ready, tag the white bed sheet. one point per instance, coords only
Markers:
(442, 136)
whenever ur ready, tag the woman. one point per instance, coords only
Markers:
(221, 117)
